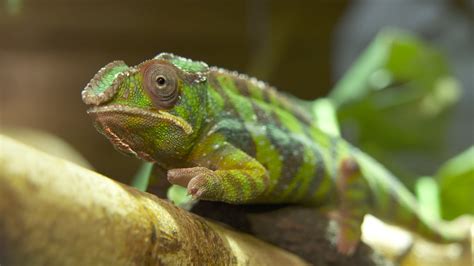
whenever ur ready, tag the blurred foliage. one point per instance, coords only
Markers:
(325, 116)
(450, 193)
(142, 178)
(395, 97)
(396, 100)
(13, 7)
(427, 193)
(180, 197)
(456, 185)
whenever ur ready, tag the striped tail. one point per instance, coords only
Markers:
(394, 204)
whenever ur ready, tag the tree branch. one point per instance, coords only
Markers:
(55, 212)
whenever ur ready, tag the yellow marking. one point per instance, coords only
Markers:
(176, 120)
(180, 122)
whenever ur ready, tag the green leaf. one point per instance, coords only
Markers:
(394, 99)
(325, 116)
(456, 184)
(179, 196)
(142, 177)
(427, 193)
(14, 7)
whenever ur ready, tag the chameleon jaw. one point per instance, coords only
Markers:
(158, 115)
(120, 144)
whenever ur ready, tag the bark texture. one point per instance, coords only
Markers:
(56, 213)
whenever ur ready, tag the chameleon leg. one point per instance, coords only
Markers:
(352, 191)
(223, 173)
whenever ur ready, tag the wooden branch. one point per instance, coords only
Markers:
(301, 230)
(56, 213)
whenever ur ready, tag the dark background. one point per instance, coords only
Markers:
(49, 50)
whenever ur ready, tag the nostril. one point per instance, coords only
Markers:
(103, 86)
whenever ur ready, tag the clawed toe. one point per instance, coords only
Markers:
(183, 176)
(197, 187)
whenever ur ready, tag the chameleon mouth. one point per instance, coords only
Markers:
(135, 111)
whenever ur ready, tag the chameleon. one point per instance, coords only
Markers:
(228, 137)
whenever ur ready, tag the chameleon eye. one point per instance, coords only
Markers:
(161, 83)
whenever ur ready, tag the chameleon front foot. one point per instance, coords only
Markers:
(201, 182)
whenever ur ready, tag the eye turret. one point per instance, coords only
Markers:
(161, 82)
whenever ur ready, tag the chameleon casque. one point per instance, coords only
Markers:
(231, 138)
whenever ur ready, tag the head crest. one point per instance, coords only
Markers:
(195, 68)
(104, 84)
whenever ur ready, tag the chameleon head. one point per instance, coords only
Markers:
(153, 110)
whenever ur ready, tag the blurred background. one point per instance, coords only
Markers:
(50, 49)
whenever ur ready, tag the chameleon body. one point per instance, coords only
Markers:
(228, 137)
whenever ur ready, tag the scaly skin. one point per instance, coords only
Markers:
(231, 138)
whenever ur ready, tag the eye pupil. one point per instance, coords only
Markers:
(161, 81)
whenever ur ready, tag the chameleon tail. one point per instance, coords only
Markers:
(394, 204)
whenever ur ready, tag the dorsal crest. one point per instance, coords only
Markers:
(198, 68)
